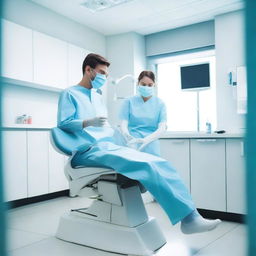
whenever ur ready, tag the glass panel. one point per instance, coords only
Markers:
(182, 105)
(207, 100)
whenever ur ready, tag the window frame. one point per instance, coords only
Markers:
(208, 51)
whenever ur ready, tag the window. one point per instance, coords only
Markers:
(187, 110)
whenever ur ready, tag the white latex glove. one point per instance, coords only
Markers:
(153, 136)
(107, 124)
(96, 121)
(136, 141)
(128, 137)
(145, 142)
(125, 132)
(141, 147)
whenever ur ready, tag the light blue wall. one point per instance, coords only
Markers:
(139, 54)
(180, 39)
(230, 53)
(126, 52)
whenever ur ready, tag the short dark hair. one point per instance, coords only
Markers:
(93, 60)
(147, 73)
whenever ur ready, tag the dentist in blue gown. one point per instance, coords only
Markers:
(81, 113)
(143, 116)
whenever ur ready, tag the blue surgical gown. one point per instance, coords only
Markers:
(143, 119)
(154, 173)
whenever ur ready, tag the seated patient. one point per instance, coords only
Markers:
(81, 112)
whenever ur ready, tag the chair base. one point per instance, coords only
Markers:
(143, 239)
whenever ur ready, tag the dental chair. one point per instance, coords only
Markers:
(116, 220)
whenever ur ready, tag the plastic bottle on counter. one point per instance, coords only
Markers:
(19, 120)
(29, 120)
(208, 127)
(24, 119)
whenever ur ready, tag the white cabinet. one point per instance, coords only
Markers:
(176, 151)
(235, 162)
(50, 60)
(35, 57)
(31, 166)
(17, 51)
(208, 181)
(57, 179)
(37, 143)
(76, 56)
(14, 164)
(213, 167)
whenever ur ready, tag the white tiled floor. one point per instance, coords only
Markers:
(31, 232)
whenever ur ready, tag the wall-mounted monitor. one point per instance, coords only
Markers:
(195, 77)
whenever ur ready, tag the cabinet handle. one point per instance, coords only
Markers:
(242, 149)
(206, 140)
(178, 141)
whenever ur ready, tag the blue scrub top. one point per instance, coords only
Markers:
(77, 104)
(143, 117)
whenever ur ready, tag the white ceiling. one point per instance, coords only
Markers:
(143, 16)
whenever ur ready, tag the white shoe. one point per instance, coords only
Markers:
(198, 225)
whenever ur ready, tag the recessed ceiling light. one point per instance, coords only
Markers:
(99, 5)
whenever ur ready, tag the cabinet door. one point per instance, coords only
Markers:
(17, 52)
(208, 182)
(37, 142)
(176, 151)
(14, 164)
(76, 57)
(235, 161)
(57, 178)
(50, 60)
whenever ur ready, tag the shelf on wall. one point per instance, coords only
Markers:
(11, 81)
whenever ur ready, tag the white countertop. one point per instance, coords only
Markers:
(187, 135)
(26, 126)
(166, 135)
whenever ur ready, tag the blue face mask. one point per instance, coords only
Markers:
(145, 91)
(98, 81)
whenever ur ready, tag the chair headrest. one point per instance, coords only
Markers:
(68, 142)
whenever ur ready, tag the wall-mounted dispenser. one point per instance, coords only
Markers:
(232, 77)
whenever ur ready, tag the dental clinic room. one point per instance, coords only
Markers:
(128, 128)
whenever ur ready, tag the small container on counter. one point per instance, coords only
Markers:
(29, 120)
(24, 119)
(19, 120)
(208, 127)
